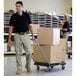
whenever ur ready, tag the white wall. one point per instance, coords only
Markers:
(58, 6)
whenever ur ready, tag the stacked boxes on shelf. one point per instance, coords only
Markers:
(49, 40)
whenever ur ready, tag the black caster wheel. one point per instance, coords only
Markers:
(63, 67)
(52, 67)
(69, 57)
(48, 69)
(38, 68)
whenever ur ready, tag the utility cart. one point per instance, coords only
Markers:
(47, 64)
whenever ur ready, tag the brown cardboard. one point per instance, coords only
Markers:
(63, 43)
(35, 27)
(53, 54)
(49, 36)
(63, 55)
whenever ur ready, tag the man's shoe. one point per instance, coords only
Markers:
(28, 70)
(18, 71)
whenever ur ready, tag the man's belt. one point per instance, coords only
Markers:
(21, 33)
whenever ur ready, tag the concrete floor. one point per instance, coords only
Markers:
(10, 67)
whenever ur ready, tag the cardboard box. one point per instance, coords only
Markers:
(49, 36)
(53, 53)
(63, 43)
(35, 27)
(64, 55)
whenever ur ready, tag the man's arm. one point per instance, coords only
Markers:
(31, 30)
(9, 35)
(62, 22)
(63, 29)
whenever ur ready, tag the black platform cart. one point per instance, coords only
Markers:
(48, 65)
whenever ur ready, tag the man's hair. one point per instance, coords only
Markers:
(19, 2)
(67, 17)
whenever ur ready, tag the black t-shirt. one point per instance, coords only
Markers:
(20, 23)
(66, 26)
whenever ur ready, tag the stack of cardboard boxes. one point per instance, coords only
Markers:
(51, 44)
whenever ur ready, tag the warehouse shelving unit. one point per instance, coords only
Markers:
(70, 21)
(34, 18)
(61, 17)
(44, 20)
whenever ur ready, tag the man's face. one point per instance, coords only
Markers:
(19, 7)
(65, 18)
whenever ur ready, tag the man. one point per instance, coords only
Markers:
(65, 29)
(20, 22)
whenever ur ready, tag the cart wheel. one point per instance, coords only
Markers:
(52, 67)
(63, 67)
(38, 68)
(69, 57)
(48, 69)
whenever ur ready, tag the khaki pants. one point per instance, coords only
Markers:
(22, 40)
(65, 35)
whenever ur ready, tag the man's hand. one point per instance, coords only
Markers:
(9, 43)
(31, 30)
(61, 22)
(33, 38)
(63, 29)
(9, 36)
(60, 28)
